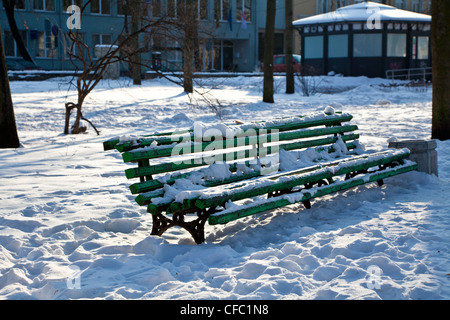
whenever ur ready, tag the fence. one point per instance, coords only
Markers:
(410, 74)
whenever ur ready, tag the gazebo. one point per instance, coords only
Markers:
(365, 39)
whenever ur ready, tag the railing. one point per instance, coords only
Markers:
(409, 74)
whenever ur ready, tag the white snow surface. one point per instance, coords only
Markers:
(70, 229)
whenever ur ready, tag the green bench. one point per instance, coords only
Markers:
(224, 172)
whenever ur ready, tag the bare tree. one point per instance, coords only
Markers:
(184, 30)
(268, 51)
(93, 69)
(8, 129)
(440, 37)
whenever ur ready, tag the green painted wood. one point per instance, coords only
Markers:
(163, 140)
(170, 150)
(146, 140)
(157, 208)
(146, 196)
(113, 143)
(279, 202)
(150, 185)
(301, 178)
(236, 155)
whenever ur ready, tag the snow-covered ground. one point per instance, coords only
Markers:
(70, 229)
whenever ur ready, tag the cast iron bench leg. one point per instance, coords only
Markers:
(196, 227)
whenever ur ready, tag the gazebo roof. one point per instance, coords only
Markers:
(363, 12)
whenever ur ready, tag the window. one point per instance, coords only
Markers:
(314, 47)
(422, 46)
(396, 45)
(323, 6)
(121, 7)
(338, 46)
(223, 55)
(173, 55)
(244, 8)
(367, 45)
(222, 9)
(20, 5)
(101, 6)
(100, 39)
(417, 5)
(69, 49)
(156, 8)
(401, 4)
(279, 60)
(428, 7)
(10, 45)
(68, 3)
(342, 3)
(203, 9)
(44, 5)
(171, 8)
(46, 45)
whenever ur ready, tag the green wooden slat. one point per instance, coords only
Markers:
(137, 155)
(150, 185)
(279, 202)
(336, 119)
(236, 155)
(146, 196)
(113, 143)
(235, 194)
(110, 144)
(164, 140)
(158, 208)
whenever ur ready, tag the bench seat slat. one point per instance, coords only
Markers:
(281, 201)
(214, 197)
(146, 186)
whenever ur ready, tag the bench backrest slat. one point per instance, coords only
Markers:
(177, 136)
(169, 150)
(235, 155)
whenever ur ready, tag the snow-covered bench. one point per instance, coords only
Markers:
(226, 171)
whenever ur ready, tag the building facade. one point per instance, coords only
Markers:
(233, 42)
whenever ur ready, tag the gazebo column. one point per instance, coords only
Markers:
(350, 48)
(384, 47)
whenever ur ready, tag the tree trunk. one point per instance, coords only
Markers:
(190, 31)
(136, 55)
(440, 38)
(288, 38)
(268, 51)
(9, 10)
(8, 129)
(188, 85)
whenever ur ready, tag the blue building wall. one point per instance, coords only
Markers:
(227, 45)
